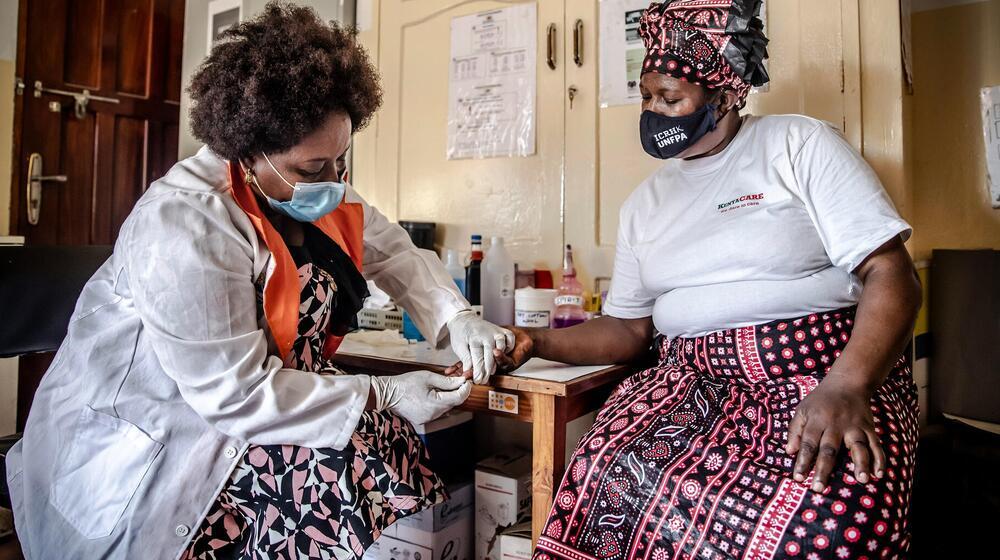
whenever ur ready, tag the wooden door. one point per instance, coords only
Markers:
(400, 162)
(813, 69)
(128, 54)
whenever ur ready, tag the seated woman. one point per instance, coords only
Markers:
(193, 410)
(781, 420)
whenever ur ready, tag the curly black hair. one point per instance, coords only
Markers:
(274, 79)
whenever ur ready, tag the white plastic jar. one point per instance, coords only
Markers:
(533, 307)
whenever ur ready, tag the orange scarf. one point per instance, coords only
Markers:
(345, 226)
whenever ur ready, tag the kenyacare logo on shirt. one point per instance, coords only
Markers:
(670, 136)
(744, 201)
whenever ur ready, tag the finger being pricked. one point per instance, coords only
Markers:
(505, 364)
(458, 370)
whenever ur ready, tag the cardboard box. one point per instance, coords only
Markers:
(374, 551)
(450, 440)
(442, 532)
(503, 499)
(454, 542)
(434, 519)
(515, 542)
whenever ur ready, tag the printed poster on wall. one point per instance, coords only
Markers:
(222, 14)
(990, 97)
(622, 51)
(492, 86)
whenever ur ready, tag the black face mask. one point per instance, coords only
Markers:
(665, 137)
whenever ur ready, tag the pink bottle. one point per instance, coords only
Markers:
(569, 301)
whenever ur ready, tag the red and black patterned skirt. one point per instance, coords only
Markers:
(687, 460)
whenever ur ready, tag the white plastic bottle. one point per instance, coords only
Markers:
(455, 269)
(498, 284)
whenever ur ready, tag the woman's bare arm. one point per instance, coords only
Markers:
(838, 411)
(605, 340)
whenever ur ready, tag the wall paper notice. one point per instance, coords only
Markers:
(990, 97)
(222, 14)
(622, 51)
(492, 84)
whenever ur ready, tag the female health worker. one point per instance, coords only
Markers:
(193, 409)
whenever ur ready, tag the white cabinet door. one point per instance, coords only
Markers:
(401, 164)
(604, 159)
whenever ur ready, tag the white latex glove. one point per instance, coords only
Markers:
(419, 396)
(473, 341)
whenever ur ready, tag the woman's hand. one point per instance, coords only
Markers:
(418, 396)
(836, 412)
(600, 341)
(523, 350)
(476, 343)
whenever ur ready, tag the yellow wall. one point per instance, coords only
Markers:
(883, 141)
(8, 49)
(6, 140)
(956, 51)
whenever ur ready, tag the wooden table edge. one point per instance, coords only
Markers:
(569, 388)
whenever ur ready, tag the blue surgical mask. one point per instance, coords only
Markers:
(310, 201)
(665, 137)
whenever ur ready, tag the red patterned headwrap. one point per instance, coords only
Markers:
(712, 43)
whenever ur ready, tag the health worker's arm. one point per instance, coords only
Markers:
(415, 278)
(190, 273)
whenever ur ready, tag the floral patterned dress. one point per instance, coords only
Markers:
(686, 460)
(286, 501)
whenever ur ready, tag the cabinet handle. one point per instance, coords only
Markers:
(550, 56)
(578, 42)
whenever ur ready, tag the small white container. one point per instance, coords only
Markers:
(533, 307)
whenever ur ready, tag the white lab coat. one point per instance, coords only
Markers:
(165, 376)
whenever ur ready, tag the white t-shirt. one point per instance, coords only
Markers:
(770, 228)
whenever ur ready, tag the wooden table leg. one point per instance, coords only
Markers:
(548, 439)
